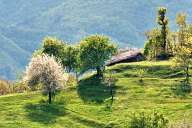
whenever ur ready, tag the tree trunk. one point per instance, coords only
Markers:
(50, 97)
(111, 93)
(111, 90)
(99, 72)
(164, 37)
(187, 75)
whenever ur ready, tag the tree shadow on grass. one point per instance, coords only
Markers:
(93, 89)
(44, 113)
(181, 90)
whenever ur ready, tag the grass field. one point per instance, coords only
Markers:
(86, 105)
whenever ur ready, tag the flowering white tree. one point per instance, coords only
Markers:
(48, 72)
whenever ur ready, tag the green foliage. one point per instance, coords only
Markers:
(183, 57)
(38, 52)
(92, 53)
(182, 89)
(71, 81)
(152, 46)
(162, 20)
(67, 54)
(53, 46)
(181, 19)
(20, 87)
(183, 60)
(146, 48)
(95, 50)
(70, 58)
(144, 120)
(182, 33)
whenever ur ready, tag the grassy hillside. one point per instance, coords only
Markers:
(85, 105)
(25, 23)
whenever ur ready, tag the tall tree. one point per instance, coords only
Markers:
(181, 22)
(67, 54)
(183, 57)
(152, 46)
(162, 20)
(95, 50)
(53, 46)
(70, 58)
(183, 60)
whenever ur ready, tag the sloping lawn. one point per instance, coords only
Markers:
(87, 104)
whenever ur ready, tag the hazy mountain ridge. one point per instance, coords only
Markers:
(23, 24)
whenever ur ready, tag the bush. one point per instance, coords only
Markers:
(72, 80)
(146, 49)
(8, 88)
(5, 88)
(185, 87)
(20, 88)
(185, 123)
(181, 89)
(143, 120)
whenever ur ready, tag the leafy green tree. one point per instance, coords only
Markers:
(171, 43)
(181, 22)
(53, 46)
(152, 46)
(95, 50)
(67, 54)
(183, 58)
(162, 20)
(70, 58)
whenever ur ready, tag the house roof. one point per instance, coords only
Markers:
(126, 55)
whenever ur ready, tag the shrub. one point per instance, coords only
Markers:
(144, 120)
(20, 88)
(185, 123)
(140, 73)
(72, 80)
(5, 87)
(185, 87)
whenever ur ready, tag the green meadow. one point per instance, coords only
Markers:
(87, 104)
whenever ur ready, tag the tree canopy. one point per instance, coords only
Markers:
(95, 50)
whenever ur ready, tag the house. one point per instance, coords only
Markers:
(132, 55)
